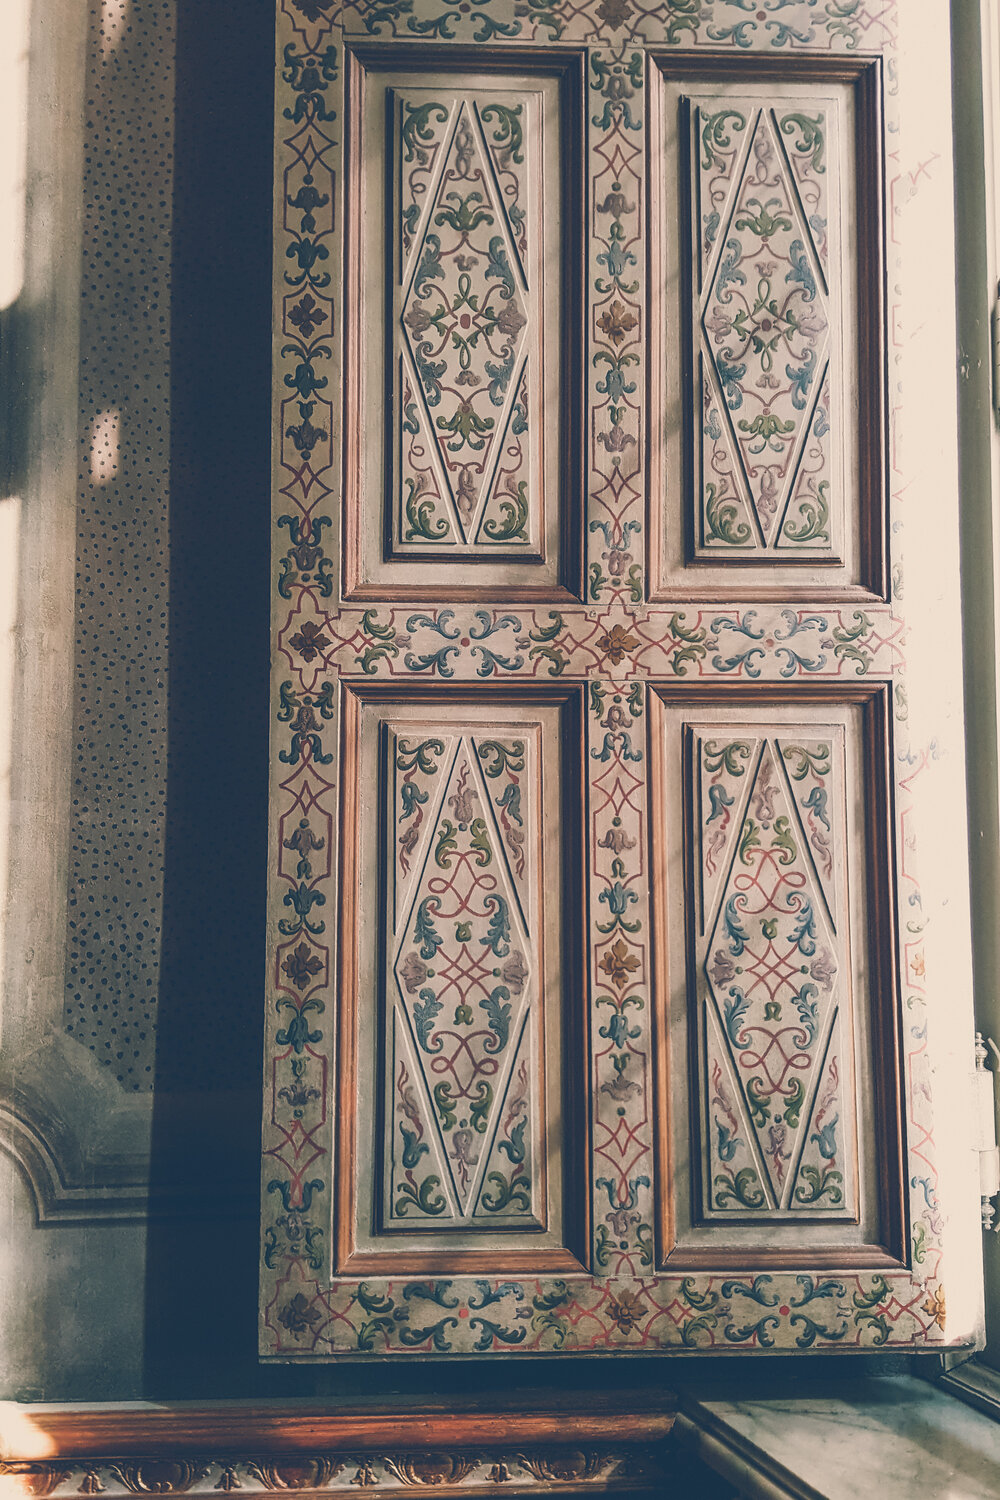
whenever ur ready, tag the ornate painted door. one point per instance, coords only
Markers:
(586, 1023)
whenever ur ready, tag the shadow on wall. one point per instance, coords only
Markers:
(201, 1270)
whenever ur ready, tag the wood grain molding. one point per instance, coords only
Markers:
(536, 1443)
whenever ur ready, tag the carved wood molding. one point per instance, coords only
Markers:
(544, 1446)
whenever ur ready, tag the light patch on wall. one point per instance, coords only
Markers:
(14, 31)
(22, 1434)
(104, 447)
(114, 18)
(10, 525)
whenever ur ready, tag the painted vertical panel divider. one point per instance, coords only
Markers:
(583, 1008)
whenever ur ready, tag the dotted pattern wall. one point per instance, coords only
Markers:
(119, 776)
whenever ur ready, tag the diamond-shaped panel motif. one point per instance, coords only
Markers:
(465, 322)
(764, 328)
(464, 975)
(773, 968)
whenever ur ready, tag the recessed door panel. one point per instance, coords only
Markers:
(463, 220)
(776, 972)
(459, 946)
(768, 432)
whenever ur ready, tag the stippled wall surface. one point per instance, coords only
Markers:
(130, 1044)
(122, 574)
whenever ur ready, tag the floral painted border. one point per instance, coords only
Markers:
(613, 642)
(829, 25)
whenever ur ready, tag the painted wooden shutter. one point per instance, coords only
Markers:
(584, 1012)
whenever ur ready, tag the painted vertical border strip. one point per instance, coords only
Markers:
(616, 359)
(298, 1121)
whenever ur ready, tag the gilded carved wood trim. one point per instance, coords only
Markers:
(545, 1446)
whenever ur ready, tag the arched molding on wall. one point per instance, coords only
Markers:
(54, 1173)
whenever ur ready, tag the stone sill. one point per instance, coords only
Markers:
(891, 1437)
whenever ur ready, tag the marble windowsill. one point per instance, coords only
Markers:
(884, 1436)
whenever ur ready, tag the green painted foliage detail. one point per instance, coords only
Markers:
(783, 841)
(744, 1189)
(812, 142)
(420, 513)
(723, 520)
(716, 134)
(425, 1198)
(691, 644)
(749, 840)
(815, 762)
(416, 126)
(848, 641)
(814, 515)
(480, 841)
(514, 513)
(445, 1103)
(510, 1194)
(820, 1183)
(733, 756)
(508, 134)
(497, 757)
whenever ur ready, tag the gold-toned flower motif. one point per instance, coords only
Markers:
(618, 963)
(616, 643)
(616, 321)
(298, 1316)
(309, 641)
(626, 1311)
(614, 13)
(934, 1307)
(301, 965)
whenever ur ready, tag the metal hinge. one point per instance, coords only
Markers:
(985, 1141)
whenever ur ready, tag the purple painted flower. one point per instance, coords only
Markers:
(823, 968)
(413, 971)
(723, 970)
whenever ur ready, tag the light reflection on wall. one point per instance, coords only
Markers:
(104, 447)
(114, 19)
(14, 20)
(10, 518)
(14, 32)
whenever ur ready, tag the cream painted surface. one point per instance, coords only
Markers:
(930, 746)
